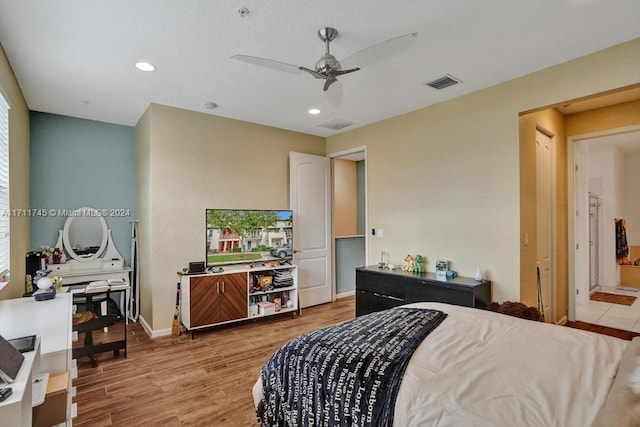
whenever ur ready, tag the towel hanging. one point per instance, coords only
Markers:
(622, 248)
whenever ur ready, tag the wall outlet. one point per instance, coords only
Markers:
(379, 233)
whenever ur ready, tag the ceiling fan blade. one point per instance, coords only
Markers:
(333, 95)
(313, 73)
(330, 80)
(377, 52)
(268, 63)
(343, 72)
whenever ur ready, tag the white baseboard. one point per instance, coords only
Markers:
(345, 294)
(151, 332)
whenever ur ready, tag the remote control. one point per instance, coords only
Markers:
(4, 393)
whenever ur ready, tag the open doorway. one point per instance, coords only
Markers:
(348, 171)
(570, 122)
(606, 173)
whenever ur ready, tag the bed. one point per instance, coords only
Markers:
(480, 368)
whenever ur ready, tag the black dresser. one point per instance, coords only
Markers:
(379, 289)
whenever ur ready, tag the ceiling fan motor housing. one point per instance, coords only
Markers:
(327, 34)
(326, 64)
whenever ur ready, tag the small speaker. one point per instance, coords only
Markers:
(196, 267)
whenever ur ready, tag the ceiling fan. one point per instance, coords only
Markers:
(328, 67)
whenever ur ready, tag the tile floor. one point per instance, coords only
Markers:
(612, 315)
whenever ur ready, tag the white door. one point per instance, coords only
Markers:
(544, 191)
(310, 200)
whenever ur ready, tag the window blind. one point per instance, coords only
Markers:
(4, 184)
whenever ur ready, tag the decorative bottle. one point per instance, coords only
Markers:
(253, 308)
(478, 276)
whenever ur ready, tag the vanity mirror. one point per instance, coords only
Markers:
(85, 235)
(86, 240)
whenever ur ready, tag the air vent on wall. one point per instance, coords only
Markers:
(336, 124)
(442, 82)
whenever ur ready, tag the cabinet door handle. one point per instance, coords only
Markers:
(217, 287)
(223, 287)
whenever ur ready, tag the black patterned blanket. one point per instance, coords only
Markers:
(344, 375)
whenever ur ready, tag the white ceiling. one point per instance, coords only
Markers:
(75, 57)
(628, 142)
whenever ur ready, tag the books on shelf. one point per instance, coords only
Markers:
(282, 278)
(116, 285)
(105, 285)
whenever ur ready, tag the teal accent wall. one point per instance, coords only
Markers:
(349, 255)
(75, 163)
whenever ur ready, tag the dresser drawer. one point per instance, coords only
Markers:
(381, 284)
(427, 291)
(59, 268)
(367, 302)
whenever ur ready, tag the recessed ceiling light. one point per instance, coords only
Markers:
(314, 111)
(210, 105)
(145, 66)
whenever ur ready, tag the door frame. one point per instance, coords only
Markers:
(573, 267)
(336, 155)
(554, 262)
(594, 241)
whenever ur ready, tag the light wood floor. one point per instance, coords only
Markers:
(176, 381)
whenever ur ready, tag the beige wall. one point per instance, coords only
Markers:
(444, 181)
(631, 198)
(187, 162)
(602, 119)
(18, 176)
(345, 198)
(142, 154)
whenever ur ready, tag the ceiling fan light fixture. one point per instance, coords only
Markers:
(145, 66)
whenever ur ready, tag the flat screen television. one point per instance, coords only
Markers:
(237, 236)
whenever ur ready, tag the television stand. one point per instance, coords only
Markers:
(212, 299)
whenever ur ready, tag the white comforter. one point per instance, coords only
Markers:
(480, 368)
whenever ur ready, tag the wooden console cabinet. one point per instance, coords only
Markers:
(219, 298)
(379, 289)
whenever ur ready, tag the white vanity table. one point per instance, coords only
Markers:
(87, 242)
(74, 277)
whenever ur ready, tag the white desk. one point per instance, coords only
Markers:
(51, 322)
(16, 410)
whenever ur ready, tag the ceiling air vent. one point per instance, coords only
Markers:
(336, 124)
(442, 82)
